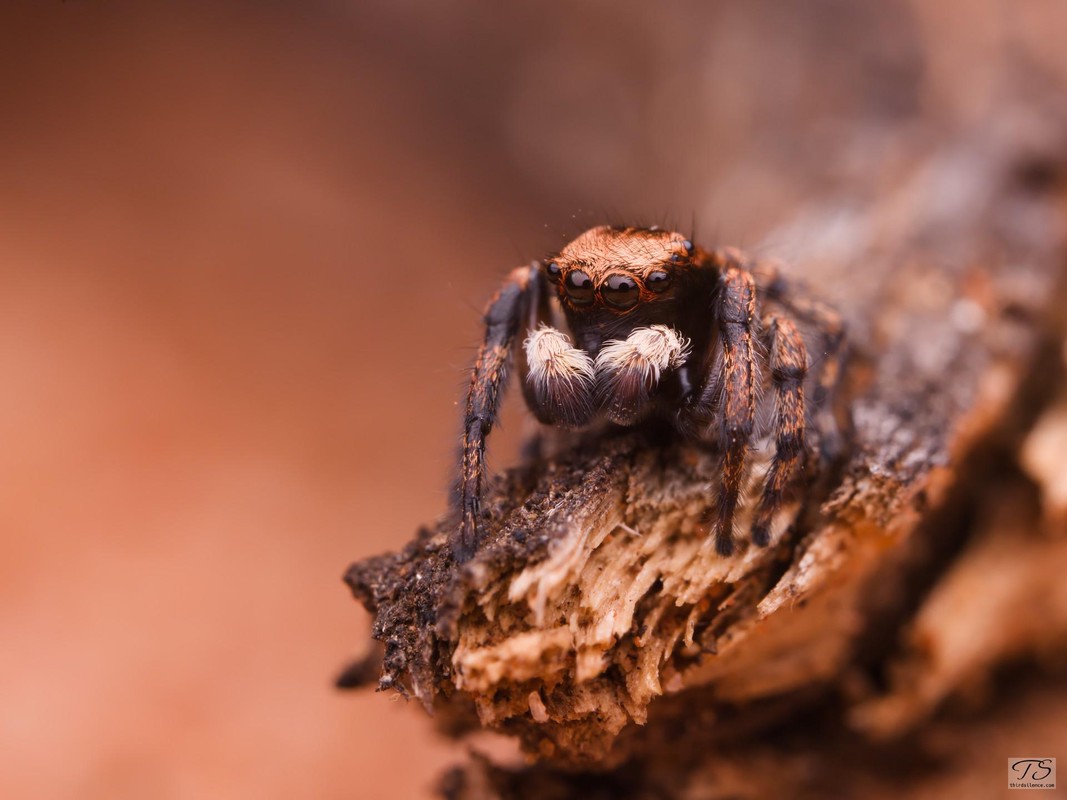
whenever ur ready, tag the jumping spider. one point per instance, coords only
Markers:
(661, 327)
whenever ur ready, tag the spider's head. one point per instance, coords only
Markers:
(618, 269)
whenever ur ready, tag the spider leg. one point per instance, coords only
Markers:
(789, 365)
(503, 319)
(736, 313)
(828, 328)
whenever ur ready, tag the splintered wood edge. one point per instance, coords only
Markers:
(537, 652)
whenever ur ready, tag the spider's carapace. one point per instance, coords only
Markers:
(657, 326)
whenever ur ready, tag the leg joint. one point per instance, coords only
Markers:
(788, 373)
(789, 443)
(737, 433)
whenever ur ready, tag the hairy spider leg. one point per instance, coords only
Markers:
(789, 366)
(503, 320)
(736, 314)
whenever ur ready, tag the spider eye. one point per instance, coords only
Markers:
(620, 291)
(553, 270)
(658, 281)
(579, 287)
(688, 245)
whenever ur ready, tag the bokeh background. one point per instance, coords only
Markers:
(243, 248)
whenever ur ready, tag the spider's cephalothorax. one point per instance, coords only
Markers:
(658, 327)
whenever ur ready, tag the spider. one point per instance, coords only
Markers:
(661, 328)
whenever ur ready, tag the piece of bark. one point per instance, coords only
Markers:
(1003, 598)
(598, 625)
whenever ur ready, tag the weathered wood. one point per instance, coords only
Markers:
(598, 626)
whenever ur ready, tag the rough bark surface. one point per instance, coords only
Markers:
(599, 627)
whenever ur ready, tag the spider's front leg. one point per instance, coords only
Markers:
(503, 320)
(732, 395)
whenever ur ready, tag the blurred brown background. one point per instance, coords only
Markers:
(243, 248)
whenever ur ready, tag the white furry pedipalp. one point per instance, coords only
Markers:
(552, 357)
(649, 351)
(561, 378)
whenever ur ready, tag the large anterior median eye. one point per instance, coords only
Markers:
(579, 287)
(620, 291)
